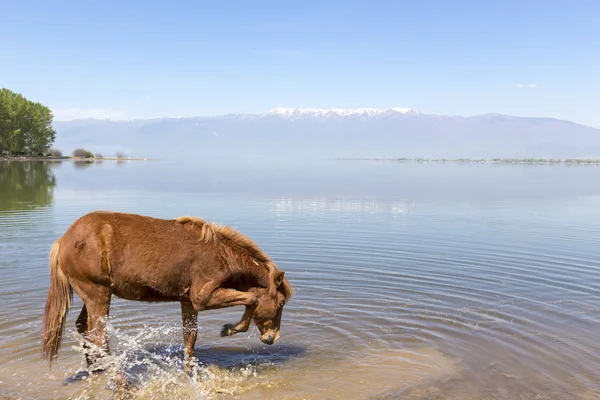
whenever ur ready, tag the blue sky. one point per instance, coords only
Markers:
(138, 59)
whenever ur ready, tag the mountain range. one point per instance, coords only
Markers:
(333, 133)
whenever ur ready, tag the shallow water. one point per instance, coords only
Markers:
(413, 281)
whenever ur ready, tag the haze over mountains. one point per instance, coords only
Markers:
(285, 132)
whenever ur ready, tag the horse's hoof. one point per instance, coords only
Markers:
(189, 367)
(189, 371)
(227, 330)
(124, 383)
(97, 370)
(79, 376)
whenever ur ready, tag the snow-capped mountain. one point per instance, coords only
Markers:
(365, 132)
(294, 113)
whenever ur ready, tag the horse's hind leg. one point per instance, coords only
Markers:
(81, 323)
(82, 327)
(95, 312)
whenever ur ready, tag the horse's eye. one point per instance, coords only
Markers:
(282, 303)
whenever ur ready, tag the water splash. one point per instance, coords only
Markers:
(138, 369)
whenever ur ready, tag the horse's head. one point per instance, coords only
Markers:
(271, 300)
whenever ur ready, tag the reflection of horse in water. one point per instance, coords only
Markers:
(148, 259)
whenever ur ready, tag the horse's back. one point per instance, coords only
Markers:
(138, 256)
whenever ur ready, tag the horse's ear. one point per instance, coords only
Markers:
(279, 278)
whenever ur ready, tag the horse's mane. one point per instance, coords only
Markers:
(209, 232)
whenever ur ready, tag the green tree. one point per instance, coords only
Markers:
(25, 126)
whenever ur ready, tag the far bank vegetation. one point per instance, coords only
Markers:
(527, 161)
(26, 131)
(82, 153)
(25, 126)
(86, 154)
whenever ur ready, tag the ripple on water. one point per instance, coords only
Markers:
(417, 304)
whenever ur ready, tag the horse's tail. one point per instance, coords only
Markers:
(58, 303)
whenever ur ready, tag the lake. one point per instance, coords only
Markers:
(413, 280)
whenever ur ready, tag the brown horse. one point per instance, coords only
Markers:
(147, 259)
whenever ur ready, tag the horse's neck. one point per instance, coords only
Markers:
(252, 273)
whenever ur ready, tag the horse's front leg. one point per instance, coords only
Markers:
(189, 318)
(242, 326)
(222, 298)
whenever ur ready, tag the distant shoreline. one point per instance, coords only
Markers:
(527, 161)
(69, 158)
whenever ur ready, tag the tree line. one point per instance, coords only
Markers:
(25, 126)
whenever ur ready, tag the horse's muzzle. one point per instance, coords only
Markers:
(269, 337)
